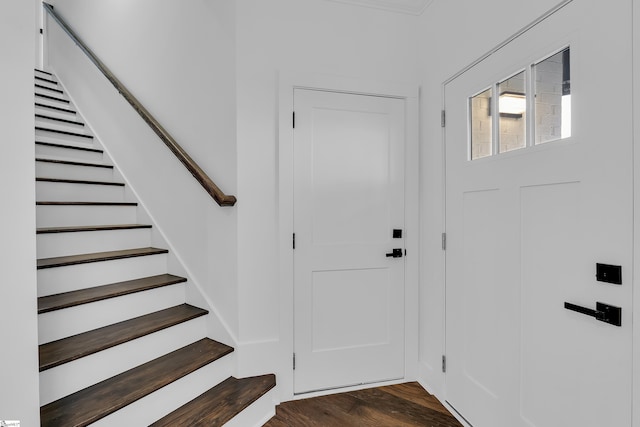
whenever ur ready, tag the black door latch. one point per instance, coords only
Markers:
(603, 312)
(397, 253)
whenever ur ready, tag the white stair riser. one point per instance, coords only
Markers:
(64, 323)
(164, 401)
(62, 244)
(258, 413)
(81, 373)
(68, 192)
(42, 135)
(58, 125)
(48, 89)
(54, 102)
(68, 153)
(57, 113)
(61, 170)
(63, 216)
(64, 279)
(45, 83)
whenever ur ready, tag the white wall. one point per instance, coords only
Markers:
(452, 35)
(18, 333)
(180, 63)
(294, 36)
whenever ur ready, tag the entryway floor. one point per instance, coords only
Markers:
(397, 405)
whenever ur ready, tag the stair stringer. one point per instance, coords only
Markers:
(217, 327)
(83, 85)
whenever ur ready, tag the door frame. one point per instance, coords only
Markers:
(288, 83)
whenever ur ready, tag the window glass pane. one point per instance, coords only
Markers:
(512, 105)
(553, 98)
(481, 124)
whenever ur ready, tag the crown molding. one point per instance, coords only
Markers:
(412, 7)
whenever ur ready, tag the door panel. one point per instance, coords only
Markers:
(526, 228)
(348, 197)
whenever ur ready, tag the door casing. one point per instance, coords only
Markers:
(410, 93)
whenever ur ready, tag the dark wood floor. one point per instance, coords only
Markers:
(397, 405)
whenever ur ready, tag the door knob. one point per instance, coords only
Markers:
(397, 253)
(603, 312)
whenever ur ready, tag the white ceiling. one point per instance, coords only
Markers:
(413, 7)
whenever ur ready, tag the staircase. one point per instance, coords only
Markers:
(119, 345)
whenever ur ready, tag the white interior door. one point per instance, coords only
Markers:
(348, 199)
(529, 215)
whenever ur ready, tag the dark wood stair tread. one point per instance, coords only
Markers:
(46, 80)
(42, 71)
(93, 403)
(40, 95)
(57, 119)
(63, 261)
(74, 163)
(75, 347)
(52, 107)
(70, 147)
(64, 132)
(55, 302)
(76, 229)
(48, 88)
(79, 181)
(221, 403)
(47, 203)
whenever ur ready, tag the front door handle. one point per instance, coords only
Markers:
(397, 253)
(603, 312)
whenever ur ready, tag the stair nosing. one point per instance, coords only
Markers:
(64, 132)
(46, 80)
(53, 107)
(79, 181)
(65, 261)
(183, 415)
(84, 228)
(74, 163)
(48, 88)
(205, 351)
(50, 303)
(58, 119)
(70, 147)
(157, 323)
(53, 98)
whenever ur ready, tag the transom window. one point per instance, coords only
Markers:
(522, 120)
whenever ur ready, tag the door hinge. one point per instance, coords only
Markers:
(444, 363)
(444, 241)
(443, 118)
(294, 240)
(294, 361)
(294, 119)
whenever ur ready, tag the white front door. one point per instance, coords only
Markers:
(529, 214)
(348, 200)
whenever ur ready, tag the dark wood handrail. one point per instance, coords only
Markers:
(195, 170)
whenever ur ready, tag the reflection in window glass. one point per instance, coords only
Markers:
(553, 98)
(512, 105)
(481, 125)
